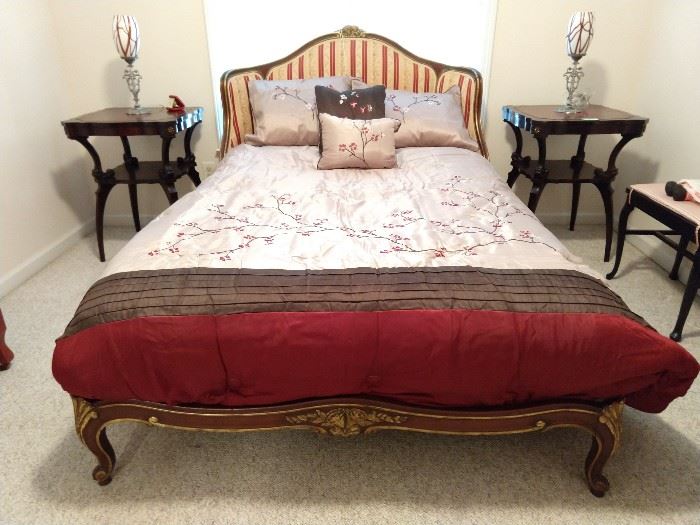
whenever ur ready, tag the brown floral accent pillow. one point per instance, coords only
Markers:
(284, 111)
(366, 104)
(363, 104)
(427, 119)
(355, 143)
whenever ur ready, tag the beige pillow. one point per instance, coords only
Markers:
(427, 119)
(284, 111)
(354, 143)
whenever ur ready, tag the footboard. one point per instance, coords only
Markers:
(347, 417)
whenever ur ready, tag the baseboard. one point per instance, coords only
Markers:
(562, 218)
(125, 219)
(36, 263)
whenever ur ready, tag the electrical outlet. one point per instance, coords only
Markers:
(208, 167)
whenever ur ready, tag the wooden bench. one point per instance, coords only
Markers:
(682, 218)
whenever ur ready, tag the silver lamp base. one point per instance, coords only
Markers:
(575, 101)
(138, 111)
(133, 82)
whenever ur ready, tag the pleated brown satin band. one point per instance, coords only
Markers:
(217, 291)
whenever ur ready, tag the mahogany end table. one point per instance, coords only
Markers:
(543, 121)
(115, 122)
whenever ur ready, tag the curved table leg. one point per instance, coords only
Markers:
(102, 193)
(190, 159)
(691, 291)
(167, 175)
(682, 246)
(516, 156)
(606, 192)
(577, 164)
(539, 180)
(621, 234)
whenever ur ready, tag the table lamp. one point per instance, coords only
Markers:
(127, 40)
(578, 38)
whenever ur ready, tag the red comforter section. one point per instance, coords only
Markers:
(457, 358)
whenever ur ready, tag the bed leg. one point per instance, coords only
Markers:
(606, 440)
(90, 430)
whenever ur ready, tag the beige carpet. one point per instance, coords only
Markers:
(173, 477)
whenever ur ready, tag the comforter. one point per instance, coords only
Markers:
(430, 283)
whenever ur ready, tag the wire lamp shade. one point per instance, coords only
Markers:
(579, 34)
(127, 37)
(127, 40)
(578, 37)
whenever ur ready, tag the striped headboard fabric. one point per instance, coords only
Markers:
(372, 58)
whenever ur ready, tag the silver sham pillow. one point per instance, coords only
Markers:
(284, 111)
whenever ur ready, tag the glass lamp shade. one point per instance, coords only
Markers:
(127, 37)
(579, 34)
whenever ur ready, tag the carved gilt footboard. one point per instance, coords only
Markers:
(348, 417)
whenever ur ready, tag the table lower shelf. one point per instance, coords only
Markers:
(561, 172)
(149, 172)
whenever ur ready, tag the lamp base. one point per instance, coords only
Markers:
(138, 111)
(569, 110)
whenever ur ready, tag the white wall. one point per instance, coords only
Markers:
(45, 186)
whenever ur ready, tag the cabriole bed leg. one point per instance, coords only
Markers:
(91, 431)
(606, 440)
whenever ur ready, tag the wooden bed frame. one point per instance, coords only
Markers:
(347, 417)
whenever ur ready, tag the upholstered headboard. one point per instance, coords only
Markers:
(373, 58)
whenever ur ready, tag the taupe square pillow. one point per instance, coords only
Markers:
(354, 143)
(284, 111)
(427, 119)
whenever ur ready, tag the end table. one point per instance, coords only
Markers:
(542, 121)
(115, 122)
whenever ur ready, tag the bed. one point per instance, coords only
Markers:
(425, 297)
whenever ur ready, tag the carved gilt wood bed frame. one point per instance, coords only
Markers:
(376, 59)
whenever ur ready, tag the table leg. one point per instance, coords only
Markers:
(105, 183)
(6, 354)
(691, 291)
(577, 164)
(132, 165)
(603, 181)
(102, 193)
(516, 157)
(606, 192)
(539, 180)
(621, 234)
(167, 174)
(682, 246)
(190, 158)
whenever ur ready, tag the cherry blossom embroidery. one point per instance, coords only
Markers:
(482, 223)
(366, 138)
(429, 99)
(281, 93)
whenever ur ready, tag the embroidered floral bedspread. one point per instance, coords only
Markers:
(271, 208)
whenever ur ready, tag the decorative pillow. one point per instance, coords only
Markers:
(354, 143)
(363, 104)
(284, 111)
(427, 119)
